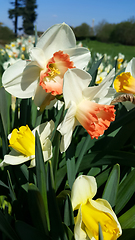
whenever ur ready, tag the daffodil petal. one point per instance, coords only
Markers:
(44, 130)
(14, 158)
(47, 150)
(79, 233)
(66, 127)
(75, 80)
(38, 56)
(20, 79)
(84, 188)
(104, 206)
(80, 56)
(131, 67)
(60, 34)
(100, 91)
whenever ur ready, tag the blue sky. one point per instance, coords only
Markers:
(75, 12)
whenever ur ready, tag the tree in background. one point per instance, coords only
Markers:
(26, 9)
(84, 30)
(29, 16)
(15, 12)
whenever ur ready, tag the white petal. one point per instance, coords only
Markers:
(131, 67)
(57, 37)
(78, 231)
(75, 81)
(108, 98)
(80, 56)
(100, 91)
(38, 56)
(20, 79)
(14, 158)
(47, 150)
(44, 130)
(84, 188)
(66, 127)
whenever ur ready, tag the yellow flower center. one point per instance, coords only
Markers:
(119, 65)
(125, 83)
(54, 71)
(23, 49)
(92, 216)
(23, 141)
(100, 80)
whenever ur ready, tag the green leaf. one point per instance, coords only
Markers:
(56, 227)
(102, 177)
(83, 150)
(127, 220)
(37, 209)
(6, 228)
(68, 213)
(4, 109)
(11, 188)
(128, 234)
(60, 174)
(27, 232)
(111, 187)
(93, 71)
(125, 191)
(69, 233)
(121, 121)
(70, 161)
(41, 174)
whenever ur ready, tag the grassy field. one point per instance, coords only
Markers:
(110, 48)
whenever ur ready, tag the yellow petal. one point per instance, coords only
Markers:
(91, 216)
(84, 188)
(23, 141)
(125, 83)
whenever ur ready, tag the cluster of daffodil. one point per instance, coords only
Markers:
(58, 69)
(16, 50)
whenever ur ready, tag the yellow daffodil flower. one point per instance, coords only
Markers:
(22, 142)
(92, 212)
(125, 83)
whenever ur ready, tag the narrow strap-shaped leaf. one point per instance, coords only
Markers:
(93, 70)
(6, 228)
(127, 220)
(60, 174)
(68, 213)
(11, 189)
(69, 233)
(125, 192)
(82, 152)
(56, 227)
(70, 162)
(111, 187)
(40, 173)
(27, 232)
(4, 109)
(4, 138)
(37, 209)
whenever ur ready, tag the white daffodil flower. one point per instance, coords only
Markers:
(87, 106)
(42, 75)
(92, 212)
(22, 142)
